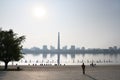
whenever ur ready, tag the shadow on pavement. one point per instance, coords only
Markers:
(90, 77)
(2, 75)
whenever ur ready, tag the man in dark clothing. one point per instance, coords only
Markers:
(83, 68)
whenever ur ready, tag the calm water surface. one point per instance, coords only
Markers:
(68, 59)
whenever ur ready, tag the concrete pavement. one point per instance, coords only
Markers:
(96, 73)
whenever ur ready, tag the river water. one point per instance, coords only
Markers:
(68, 59)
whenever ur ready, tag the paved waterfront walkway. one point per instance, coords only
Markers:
(64, 73)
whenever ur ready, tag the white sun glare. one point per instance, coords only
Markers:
(39, 12)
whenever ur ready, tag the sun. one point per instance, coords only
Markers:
(39, 12)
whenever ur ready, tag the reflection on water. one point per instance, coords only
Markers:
(68, 59)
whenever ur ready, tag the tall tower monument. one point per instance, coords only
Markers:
(58, 40)
(58, 60)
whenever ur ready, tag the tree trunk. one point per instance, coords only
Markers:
(6, 65)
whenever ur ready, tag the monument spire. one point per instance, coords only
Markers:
(58, 40)
(58, 60)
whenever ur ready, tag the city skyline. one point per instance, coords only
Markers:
(72, 47)
(69, 47)
(88, 23)
(65, 47)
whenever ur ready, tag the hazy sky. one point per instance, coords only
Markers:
(88, 23)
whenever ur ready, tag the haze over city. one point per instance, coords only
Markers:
(88, 23)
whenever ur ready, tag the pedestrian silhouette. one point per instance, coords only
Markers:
(83, 68)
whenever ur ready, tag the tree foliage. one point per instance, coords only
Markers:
(10, 46)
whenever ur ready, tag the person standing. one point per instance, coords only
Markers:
(83, 68)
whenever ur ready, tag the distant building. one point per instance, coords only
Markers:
(52, 48)
(78, 48)
(72, 47)
(35, 49)
(83, 48)
(110, 48)
(115, 47)
(64, 48)
(45, 47)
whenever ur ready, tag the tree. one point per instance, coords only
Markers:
(10, 46)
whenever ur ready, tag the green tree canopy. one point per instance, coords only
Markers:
(10, 46)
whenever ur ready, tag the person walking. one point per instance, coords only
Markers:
(83, 68)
